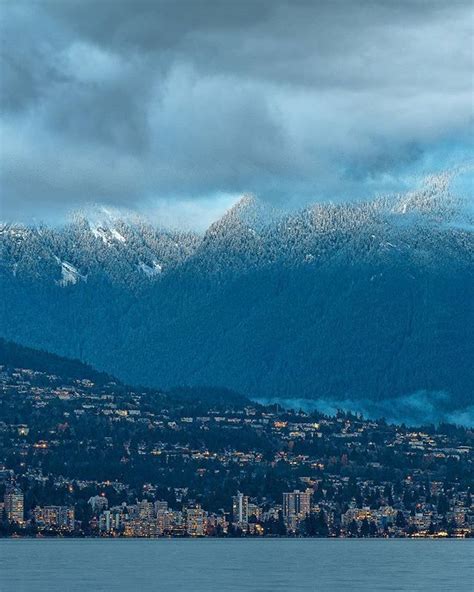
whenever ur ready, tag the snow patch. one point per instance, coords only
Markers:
(117, 236)
(108, 235)
(150, 271)
(69, 274)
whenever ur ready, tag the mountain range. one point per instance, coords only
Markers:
(350, 304)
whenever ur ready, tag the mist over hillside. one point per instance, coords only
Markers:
(365, 302)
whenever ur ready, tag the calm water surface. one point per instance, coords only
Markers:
(268, 565)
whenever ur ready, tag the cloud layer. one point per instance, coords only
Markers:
(136, 104)
(419, 408)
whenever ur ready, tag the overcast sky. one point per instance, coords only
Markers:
(176, 107)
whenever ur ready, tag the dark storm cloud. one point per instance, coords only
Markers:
(130, 102)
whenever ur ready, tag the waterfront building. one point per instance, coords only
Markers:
(146, 510)
(296, 506)
(164, 522)
(140, 528)
(113, 520)
(55, 516)
(240, 510)
(14, 504)
(196, 521)
(254, 510)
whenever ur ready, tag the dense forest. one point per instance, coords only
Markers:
(346, 303)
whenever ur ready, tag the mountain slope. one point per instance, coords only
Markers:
(337, 302)
(13, 355)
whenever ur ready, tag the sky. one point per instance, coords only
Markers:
(176, 108)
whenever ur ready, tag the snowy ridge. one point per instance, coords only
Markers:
(428, 223)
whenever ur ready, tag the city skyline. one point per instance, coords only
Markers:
(88, 457)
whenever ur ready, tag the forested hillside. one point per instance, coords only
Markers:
(13, 355)
(366, 301)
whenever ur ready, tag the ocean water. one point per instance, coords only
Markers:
(228, 565)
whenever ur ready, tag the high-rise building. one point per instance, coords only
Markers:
(56, 516)
(296, 506)
(112, 520)
(105, 521)
(14, 504)
(255, 511)
(196, 521)
(240, 509)
(146, 510)
(164, 521)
